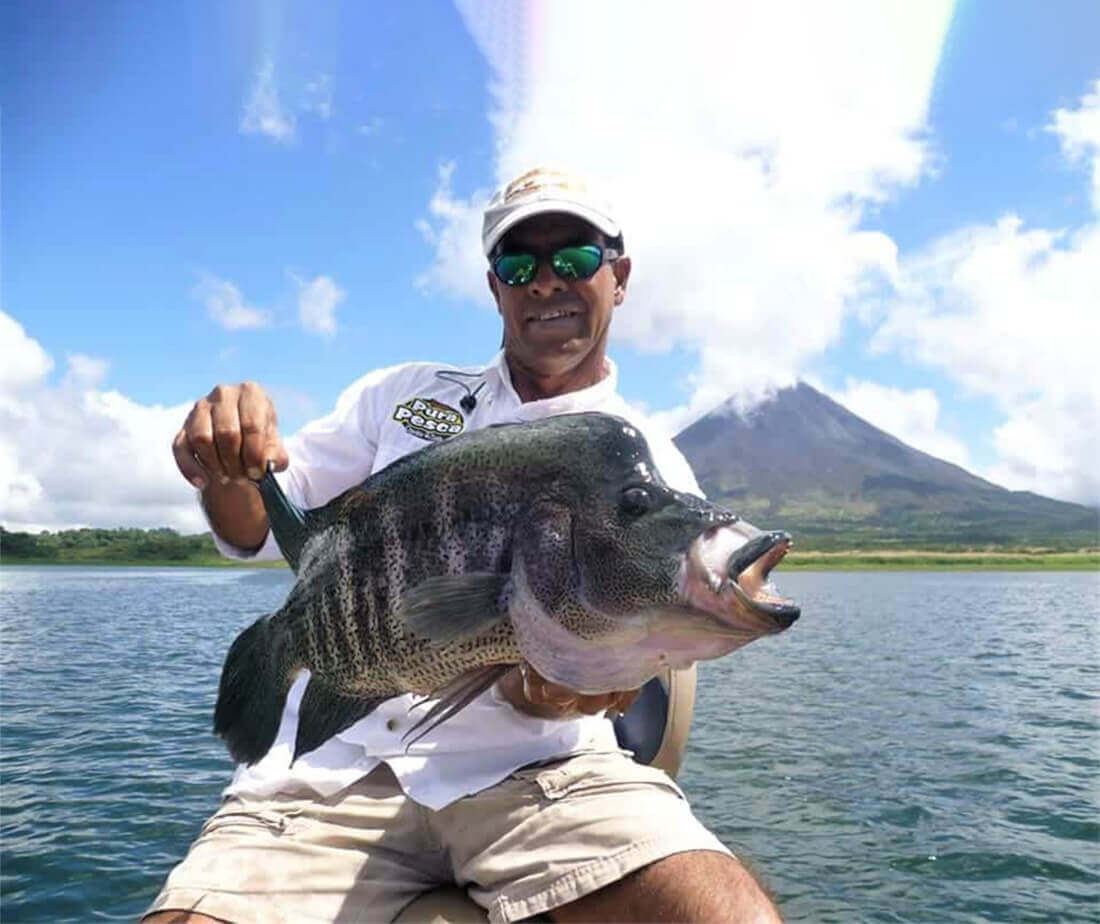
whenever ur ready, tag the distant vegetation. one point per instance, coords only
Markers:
(944, 560)
(167, 547)
(109, 546)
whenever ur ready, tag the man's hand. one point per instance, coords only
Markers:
(529, 692)
(229, 435)
(227, 439)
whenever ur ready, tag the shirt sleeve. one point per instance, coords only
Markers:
(329, 455)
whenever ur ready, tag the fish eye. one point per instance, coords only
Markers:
(637, 500)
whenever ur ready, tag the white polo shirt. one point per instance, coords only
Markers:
(383, 416)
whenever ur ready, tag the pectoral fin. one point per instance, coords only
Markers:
(455, 607)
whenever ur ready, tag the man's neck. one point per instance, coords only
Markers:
(531, 385)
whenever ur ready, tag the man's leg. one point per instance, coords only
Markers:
(697, 886)
(364, 853)
(595, 837)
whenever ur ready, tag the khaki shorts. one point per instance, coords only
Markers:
(541, 838)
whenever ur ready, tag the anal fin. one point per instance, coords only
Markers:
(325, 712)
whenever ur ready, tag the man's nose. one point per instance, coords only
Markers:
(546, 281)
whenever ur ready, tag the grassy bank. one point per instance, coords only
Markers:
(205, 561)
(943, 560)
(851, 560)
(164, 548)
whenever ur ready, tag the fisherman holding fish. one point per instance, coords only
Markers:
(523, 795)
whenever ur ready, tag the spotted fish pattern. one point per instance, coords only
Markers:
(414, 580)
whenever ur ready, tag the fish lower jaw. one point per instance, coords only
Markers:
(725, 601)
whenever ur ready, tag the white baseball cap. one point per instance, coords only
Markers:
(537, 192)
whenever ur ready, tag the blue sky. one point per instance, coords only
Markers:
(166, 164)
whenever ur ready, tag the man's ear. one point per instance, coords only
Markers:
(492, 280)
(621, 269)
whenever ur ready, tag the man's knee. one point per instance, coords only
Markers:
(697, 885)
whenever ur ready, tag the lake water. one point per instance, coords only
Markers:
(920, 747)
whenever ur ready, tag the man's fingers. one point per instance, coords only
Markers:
(227, 436)
(186, 462)
(590, 705)
(542, 692)
(279, 456)
(623, 701)
(530, 692)
(199, 430)
(260, 442)
(257, 421)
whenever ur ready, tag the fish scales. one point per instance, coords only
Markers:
(555, 542)
(428, 536)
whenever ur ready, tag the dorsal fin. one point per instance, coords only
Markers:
(287, 519)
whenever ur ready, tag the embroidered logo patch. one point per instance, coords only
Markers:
(429, 419)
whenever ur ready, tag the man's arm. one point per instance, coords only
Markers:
(224, 445)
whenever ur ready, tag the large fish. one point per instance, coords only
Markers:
(556, 542)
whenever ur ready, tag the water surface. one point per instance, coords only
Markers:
(920, 747)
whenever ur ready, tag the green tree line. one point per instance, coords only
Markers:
(108, 545)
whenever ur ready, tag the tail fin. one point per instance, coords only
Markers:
(252, 692)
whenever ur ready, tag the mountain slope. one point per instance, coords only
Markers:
(802, 462)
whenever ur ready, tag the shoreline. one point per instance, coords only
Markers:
(897, 560)
(845, 560)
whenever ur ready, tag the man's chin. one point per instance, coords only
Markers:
(553, 353)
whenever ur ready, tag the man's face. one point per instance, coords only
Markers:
(553, 325)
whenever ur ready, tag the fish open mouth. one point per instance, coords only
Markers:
(727, 568)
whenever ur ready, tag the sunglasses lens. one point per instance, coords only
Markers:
(577, 262)
(515, 269)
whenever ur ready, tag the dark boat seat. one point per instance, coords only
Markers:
(655, 728)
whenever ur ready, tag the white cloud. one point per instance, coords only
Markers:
(1078, 131)
(317, 96)
(226, 305)
(25, 362)
(911, 416)
(73, 454)
(264, 114)
(1012, 313)
(85, 371)
(317, 301)
(1052, 446)
(454, 232)
(742, 144)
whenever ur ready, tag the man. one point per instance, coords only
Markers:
(523, 797)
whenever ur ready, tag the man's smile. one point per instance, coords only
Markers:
(551, 314)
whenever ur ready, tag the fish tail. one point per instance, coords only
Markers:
(252, 692)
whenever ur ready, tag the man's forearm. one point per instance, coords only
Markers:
(236, 513)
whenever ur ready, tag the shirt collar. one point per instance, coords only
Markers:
(583, 400)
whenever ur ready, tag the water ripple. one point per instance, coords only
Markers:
(889, 759)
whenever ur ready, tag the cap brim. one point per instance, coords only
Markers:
(545, 207)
